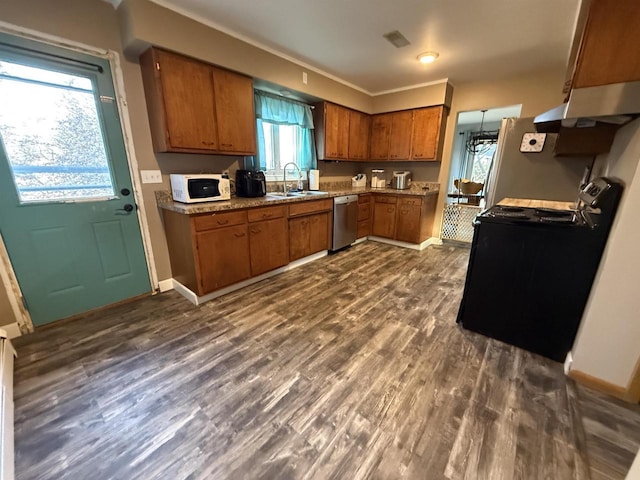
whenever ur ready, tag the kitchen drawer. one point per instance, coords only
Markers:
(364, 198)
(410, 201)
(265, 213)
(364, 210)
(219, 220)
(391, 199)
(304, 208)
(364, 228)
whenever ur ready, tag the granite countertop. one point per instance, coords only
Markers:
(165, 201)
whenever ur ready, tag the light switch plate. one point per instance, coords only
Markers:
(151, 176)
(533, 142)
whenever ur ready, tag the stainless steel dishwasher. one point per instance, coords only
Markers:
(345, 221)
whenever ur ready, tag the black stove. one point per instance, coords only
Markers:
(508, 214)
(531, 270)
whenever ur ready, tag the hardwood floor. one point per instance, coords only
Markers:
(351, 367)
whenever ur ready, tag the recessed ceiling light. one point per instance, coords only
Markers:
(428, 57)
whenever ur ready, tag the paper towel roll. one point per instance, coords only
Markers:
(314, 179)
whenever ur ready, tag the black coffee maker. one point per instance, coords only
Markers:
(250, 183)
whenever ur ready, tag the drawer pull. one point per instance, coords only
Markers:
(239, 234)
(256, 230)
(266, 215)
(223, 222)
(389, 210)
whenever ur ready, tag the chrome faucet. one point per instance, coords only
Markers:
(284, 177)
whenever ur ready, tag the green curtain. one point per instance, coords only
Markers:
(279, 111)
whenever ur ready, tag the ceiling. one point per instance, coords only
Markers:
(478, 40)
(490, 115)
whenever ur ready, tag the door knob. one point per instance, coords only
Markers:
(126, 208)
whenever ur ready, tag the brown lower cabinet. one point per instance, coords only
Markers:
(308, 235)
(384, 216)
(364, 215)
(222, 257)
(403, 217)
(309, 228)
(214, 250)
(269, 245)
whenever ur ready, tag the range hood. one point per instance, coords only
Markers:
(614, 104)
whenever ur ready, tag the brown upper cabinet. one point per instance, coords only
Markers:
(606, 44)
(408, 135)
(400, 138)
(341, 133)
(359, 124)
(426, 141)
(380, 135)
(195, 107)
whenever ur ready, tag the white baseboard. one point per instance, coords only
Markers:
(165, 285)
(197, 300)
(412, 246)
(12, 330)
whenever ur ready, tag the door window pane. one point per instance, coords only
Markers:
(51, 134)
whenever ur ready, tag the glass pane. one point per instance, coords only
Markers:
(51, 134)
(482, 162)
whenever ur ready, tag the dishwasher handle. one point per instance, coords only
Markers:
(345, 199)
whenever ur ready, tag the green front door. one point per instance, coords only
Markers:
(67, 212)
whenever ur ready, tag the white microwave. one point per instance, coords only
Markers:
(200, 187)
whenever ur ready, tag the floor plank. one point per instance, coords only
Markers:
(350, 367)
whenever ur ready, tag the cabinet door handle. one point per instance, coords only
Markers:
(404, 212)
(315, 220)
(389, 210)
(223, 222)
(208, 143)
(239, 234)
(227, 144)
(256, 230)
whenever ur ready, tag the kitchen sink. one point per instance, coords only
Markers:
(307, 193)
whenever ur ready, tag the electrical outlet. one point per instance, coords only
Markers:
(304, 77)
(151, 176)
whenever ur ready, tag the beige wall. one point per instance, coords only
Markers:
(536, 92)
(608, 343)
(145, 23)
(437, 94)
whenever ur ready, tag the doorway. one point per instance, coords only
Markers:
(474, 148)
(67, 213)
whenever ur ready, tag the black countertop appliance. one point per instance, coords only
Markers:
(531, 270)
(250, 183)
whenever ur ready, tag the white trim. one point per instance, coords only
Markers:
(132, 162)
(410, 87)
(359, 240)
(12, 287)
(196, 300)
(411, 246)
(11, 330)
(568, 361)
(165, 285)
